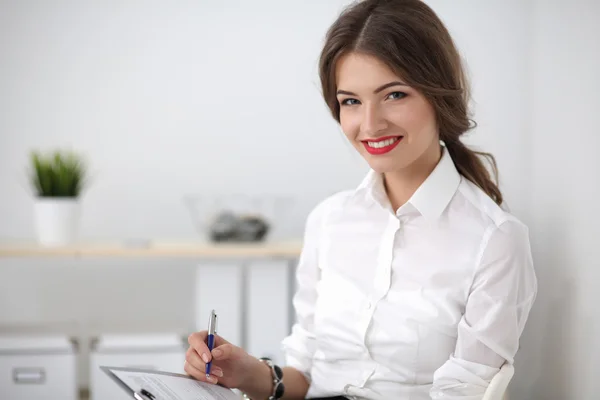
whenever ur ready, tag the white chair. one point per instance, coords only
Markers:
(497, 388)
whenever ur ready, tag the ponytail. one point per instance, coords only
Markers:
(469, 164)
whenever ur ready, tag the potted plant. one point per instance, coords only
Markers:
(58, 179)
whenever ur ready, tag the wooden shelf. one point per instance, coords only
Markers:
(156, 249)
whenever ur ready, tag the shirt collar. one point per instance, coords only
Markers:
(430, 199)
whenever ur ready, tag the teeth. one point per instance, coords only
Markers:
(384, 143)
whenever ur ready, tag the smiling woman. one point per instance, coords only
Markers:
(417, 284)
(411, 85)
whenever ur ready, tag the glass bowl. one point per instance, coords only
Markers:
(235, 218)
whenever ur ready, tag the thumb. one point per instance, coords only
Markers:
(219, 341)
(226, 351)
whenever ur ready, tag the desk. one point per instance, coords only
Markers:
(287, 251)
(280, 250)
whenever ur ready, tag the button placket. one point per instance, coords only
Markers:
(366, 318)
(383, 276)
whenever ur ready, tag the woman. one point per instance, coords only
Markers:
(417, 284)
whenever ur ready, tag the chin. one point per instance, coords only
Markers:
(392, 161)
(384, 166)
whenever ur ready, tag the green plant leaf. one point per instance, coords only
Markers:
(57, 174)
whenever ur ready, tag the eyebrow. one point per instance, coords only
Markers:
(379, 89)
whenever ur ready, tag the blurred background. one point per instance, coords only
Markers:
(178, 107)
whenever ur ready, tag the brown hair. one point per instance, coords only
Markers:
(409, 37)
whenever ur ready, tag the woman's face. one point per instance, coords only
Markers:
(390, 124)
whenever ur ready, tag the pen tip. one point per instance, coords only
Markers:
(207, 376)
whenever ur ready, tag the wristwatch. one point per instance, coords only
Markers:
(277, 375)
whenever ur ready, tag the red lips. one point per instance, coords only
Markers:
(377, 148)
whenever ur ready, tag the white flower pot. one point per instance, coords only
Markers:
(57, 220)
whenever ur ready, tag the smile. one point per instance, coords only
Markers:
(382, 145)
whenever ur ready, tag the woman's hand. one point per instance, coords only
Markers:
(231, 366)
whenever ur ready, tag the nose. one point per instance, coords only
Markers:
(373, 120)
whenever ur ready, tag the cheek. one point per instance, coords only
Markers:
(416, 119)
(350, 124)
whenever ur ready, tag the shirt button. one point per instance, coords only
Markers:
(369, 305)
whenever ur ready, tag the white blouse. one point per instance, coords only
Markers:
(426, 302)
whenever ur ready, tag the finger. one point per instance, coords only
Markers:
(198, 341)
(225, 352)
(216, 371)
(199, 374)
(193, 358)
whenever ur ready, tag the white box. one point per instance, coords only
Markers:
(157, 352)
(38, 368)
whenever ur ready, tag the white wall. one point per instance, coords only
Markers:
(183, 98)
(167, 99)
(561, 355)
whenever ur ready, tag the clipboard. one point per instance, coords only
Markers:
(145, 384)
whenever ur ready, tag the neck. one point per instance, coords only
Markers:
(400, 185)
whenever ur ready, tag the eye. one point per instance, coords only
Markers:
(397, 95)
(349, 102)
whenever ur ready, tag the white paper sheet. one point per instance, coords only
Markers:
(173, 386)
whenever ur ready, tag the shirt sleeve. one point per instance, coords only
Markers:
(503, 291)
(299, 346)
